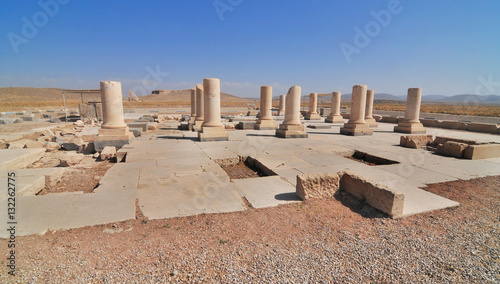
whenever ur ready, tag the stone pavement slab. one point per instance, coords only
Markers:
(266, 191)
(19, 158)
(188, 195)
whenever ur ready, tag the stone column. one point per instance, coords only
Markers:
(369, 109)
(291, 126)
(411, 123)
(357, 125)
(114, 131)
(266, 121)
(200, 108)
(281, 110)
(312, 114)
(335, 115)
(212, 128)
(193, 106)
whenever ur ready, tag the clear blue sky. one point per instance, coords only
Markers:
(446, 47)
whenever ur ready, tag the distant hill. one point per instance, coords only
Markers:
(27, 94)
(185, 96)
(431, 98)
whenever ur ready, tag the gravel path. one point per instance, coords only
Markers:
(327, 241)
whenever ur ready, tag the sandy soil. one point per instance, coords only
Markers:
(316, 241)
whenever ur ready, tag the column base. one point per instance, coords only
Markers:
(265, 125)
(197, 125)
(291, 131)
(371, 122)
(208, 134)
(112, 137)
(411, 128)
(312, 116)
(354, 129)
(335, 119)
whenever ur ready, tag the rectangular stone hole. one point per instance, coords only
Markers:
(370, 160)
(244, 168)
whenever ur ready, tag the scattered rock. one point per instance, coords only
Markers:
(34, 144)
(55, 120)
(108, 153)
(72, 143)
(52, 146)
(71, 159)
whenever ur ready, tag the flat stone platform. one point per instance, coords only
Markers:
(174, 175)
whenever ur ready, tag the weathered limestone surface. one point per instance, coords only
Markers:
(357, 126)
(415, 141)
(447, 124)
(266, 121)
(325, 185)
(281, 110)
(379, 196)
(212, 128)
(200, 108)
(484, 151)
(369, 109)
(291, 126)
(114, 131)
(193, 106)
(484, 127)
(453, 149)
(335, 116)
(312, 114)
(411, 123)
(317, 185)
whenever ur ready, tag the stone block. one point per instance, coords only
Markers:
(143, 125)
(33, 144)
(265, 125)
(346, 115)
(252, 112)
(108, 153)
(411, 128)
(453, 149)
(71, 159)
(312, 116)
(415, 141)
(483, 151)
(448, 124)
(324, 111)
(136, 131)
(246, 125)
(377, 117)
(52, 146)
(430, 122)
(317, 185)
(389, 119)
(379, 196)
(208, 134)
(55, 120)
(291, 131)
(354, 129)
(441, 140)
(152, 126)
(72, 143)
(484, 127)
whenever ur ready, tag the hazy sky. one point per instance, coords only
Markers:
(445, 47)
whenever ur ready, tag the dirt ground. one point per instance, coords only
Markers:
(328, 241)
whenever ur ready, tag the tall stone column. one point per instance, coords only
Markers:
(335, 115)
(411, 123)
(193, 106)
(291, 126)
(369, 109)
(357, 126)
(266, 121)
(312, 114)
(212, 128)
(281, 110)
(200, 108)
(114, 131)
